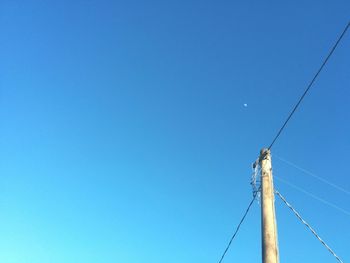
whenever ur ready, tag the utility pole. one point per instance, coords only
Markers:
(268, 218)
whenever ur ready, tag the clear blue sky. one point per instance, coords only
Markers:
(124, 136)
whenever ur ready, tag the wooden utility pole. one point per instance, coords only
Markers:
(268, 219)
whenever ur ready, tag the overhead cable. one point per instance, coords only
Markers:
(236, 231)
(313, 175)
(309, 227)
(310, 84)
(346, 212)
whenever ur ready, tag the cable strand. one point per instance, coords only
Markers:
(309, 227)
(238, 227)
(300, 189)
(310, 84)
(313, 175)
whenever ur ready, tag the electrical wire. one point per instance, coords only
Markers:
(236, 231)
(309, 227)
(313, 196)
(313, 175)
(310, 84)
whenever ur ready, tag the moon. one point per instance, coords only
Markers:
(245, 105)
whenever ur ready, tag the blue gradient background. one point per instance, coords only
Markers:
(124, 137)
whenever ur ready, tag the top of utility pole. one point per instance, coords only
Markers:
(263, 152)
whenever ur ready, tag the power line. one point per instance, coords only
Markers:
(310, 84)
(314, 175)
(313, 196)
(309, 227)
(239, 225)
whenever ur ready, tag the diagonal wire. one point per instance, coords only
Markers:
(309, 227)
(313, 196)
(310, 84)
(313, 175)
(239, 225)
